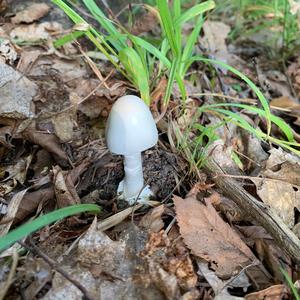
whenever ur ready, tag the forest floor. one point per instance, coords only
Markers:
(226, 230)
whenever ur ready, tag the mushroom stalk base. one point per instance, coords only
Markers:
(132, 187)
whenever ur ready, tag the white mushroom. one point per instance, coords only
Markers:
(130, 130)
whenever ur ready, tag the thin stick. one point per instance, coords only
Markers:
(34, 249)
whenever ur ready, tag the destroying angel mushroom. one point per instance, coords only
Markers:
(130, 130)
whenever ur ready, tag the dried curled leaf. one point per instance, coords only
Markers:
(210, 238)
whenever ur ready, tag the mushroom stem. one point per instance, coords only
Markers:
(134, 180)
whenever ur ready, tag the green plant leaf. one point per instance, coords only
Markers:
(138, 74)
(194, 11)
(255, 89)
(32, 226)
(151, 49)
(190, 44)
(282, 125)
(116, 38)
(168, 25)
(68, 38)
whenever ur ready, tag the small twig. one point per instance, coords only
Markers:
(34, 249)
(136, 201)
(103, 82)
(170, 226)
(11, 274)
(92, 65)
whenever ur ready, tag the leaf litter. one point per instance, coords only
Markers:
(199, 244)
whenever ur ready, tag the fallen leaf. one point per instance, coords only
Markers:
(34, 33)
(220, 286)
(115, 263)
(12, 209)
(279, 185)
(27, 60)
(31, 13)
(17, 93)
(273, 257)
(62, 288)
(281, 196)
(47, 141)
(288, 106)
(152, 220)
(31, 201)
(275, 292)
(210, 238)
(65, 192)
(283, 166)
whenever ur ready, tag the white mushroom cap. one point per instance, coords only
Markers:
(130, 127)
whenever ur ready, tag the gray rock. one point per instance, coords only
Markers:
(16, 93)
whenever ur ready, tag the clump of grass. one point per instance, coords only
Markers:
(276, 16)
(143, 62)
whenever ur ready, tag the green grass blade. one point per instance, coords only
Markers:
(255, 89)
(76, 18)
(32, 226)
(190, 44)
(177, 14)
(290, 284)
(151, 49)
(194, 11)
(285, 128)
(238, 120)
(117, 40)
(138, 74)
(167, 24)
(68, 38)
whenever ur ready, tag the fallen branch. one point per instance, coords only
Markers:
(260, 212)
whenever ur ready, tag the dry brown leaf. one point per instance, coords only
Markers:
(31, 13)
(31, 201)
(47, 141)
(166, 282)
(210, 238)
(281, 196)
(275, 292)
(117, 218)
(27, 60)
(220, 286)
(35, 32)
(12, 209)
(283, 166)
(274, 258)
(279, 185)
(65, 192)
(152, 220)
(119, 272)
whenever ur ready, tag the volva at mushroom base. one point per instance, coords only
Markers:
(130, 130)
